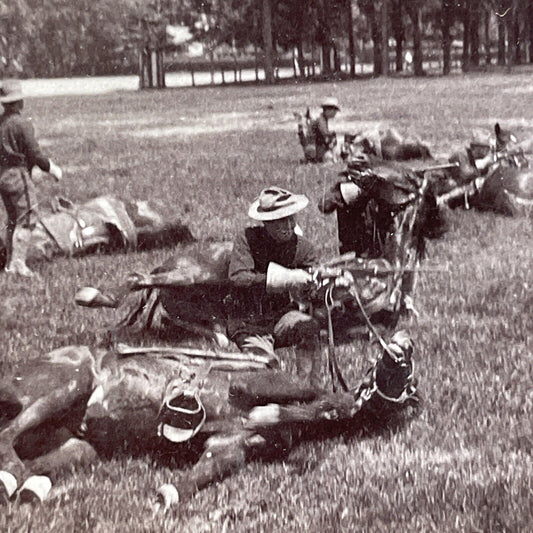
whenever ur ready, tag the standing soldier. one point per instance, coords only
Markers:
(19, 152)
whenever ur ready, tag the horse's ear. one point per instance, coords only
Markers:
(497, 128)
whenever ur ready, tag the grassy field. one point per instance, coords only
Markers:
(464, 464)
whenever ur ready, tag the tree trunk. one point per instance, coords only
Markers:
(326, 58)
(301, 58)
(351, 42)
(475, 13)
(486, 21)
(466, 36)
(161, 82)
(313, 69)
(399, 56)
(446, 22)
(336, 59)
(517, 41)
(375, 30)
(501, 34)
(267, 41)
(385, 38)
(530, 26)
(398, 30)
(418, 57)
(511, 36)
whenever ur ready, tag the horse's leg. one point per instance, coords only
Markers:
(72, 452)
(224, 455)
(66, 451)
(68, 384)
(227, 453)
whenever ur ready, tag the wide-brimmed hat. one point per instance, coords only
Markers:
(274, 203)
(331, 102)
(10, 91)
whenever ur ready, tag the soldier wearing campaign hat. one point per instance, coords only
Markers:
(318, 142)
(259, 254)
(19, 152)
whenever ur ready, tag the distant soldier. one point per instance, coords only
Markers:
(319, 141)
(19, 152)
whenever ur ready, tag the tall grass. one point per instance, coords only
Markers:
(463, 465)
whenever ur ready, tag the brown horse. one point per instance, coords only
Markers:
(386, 145)
(216, 409)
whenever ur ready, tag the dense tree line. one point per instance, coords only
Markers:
(62, 37)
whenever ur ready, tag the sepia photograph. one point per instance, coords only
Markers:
(265, 266)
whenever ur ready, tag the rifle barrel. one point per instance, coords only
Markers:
(393, 270)
(444, 166)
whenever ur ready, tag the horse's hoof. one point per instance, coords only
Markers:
(35, 488)
(168, 495)
(8, 486)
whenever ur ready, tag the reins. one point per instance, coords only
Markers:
(333, 365)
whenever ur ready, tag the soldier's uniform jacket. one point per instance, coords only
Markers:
(252, 252)
(322, 135)
(18, 146)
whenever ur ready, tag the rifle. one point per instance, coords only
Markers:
(360, 267)
(434, 168)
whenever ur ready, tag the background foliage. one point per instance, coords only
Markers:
(41, 38)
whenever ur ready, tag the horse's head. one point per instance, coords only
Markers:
(394, 370)
(508, 151)
(505, 139)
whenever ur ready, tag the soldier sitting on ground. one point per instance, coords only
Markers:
(319, 141)
(268, 311)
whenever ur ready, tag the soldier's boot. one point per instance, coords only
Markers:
(19, 249)
(308, 364)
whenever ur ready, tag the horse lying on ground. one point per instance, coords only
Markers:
(505, 186)
(104, 223)
(77, 403)
(191, 294)
(387, 144)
